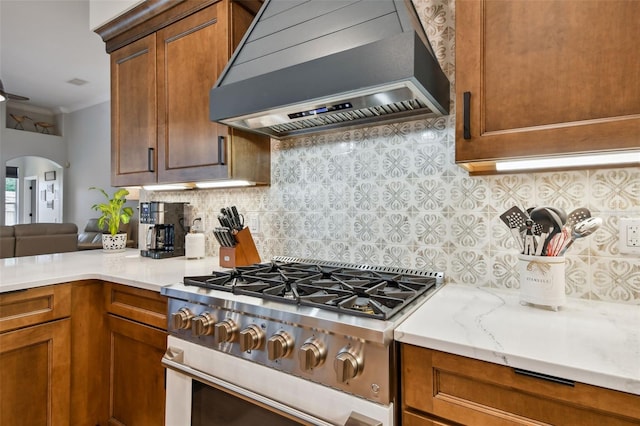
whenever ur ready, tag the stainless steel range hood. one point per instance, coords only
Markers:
(316, 65)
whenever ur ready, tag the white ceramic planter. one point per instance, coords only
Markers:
(114, 243)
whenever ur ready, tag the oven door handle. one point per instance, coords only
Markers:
(173, 359)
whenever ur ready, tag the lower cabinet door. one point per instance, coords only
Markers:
(35, 375)
(137, 391)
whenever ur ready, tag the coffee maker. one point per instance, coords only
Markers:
(164, 229)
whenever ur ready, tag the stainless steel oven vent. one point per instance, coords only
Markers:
(314, 65)
(377, 114)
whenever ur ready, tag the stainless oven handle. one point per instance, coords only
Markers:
(173, 359)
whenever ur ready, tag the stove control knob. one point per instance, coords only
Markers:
(251, 337)
(311, 354)
(347, 366)
(181, 320)
(202, 325)
(279, 345)
(225, 331)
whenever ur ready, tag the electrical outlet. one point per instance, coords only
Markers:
(629, 238)
(253, 222)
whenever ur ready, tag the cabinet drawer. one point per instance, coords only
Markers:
(34, 306)
(145, 306)
(475, 392)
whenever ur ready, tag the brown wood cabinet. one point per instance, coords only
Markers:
(82, 353)
(440, 388)
(545, 78)
(34, 356)
(165, 57)
(136, 377)
(137, 340)
(89, 357)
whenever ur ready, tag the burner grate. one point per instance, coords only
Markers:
(374, 292)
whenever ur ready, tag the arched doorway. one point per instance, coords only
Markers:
(33, 191)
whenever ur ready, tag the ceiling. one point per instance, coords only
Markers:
(44, 44)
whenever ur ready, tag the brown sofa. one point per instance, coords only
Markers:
(38, 238)
(91, 237)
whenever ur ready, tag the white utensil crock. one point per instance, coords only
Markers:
(542, 280)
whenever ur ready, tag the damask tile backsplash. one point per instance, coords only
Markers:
(392, 195)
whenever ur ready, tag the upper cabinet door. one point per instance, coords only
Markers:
(133, 113)
(545, 77)
(191, 54)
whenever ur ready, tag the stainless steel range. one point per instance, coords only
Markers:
(328, 326)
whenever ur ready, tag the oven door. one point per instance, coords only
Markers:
(210, 388)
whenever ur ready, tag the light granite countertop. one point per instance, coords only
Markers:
(597, 343)
(127, 267)
(591, 342)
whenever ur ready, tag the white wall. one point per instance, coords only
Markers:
(88, 135)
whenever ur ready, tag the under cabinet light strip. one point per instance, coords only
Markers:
(167, 187)
(570, 161)
(224, 184)
(199, 185)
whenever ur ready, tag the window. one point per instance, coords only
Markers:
(11, 196)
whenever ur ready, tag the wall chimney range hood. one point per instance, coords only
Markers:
(318, 65)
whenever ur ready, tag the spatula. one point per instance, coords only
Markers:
(577, 215)
(515, 219)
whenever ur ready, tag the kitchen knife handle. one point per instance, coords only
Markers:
(150, 160)
(467, 115)
(221, 150)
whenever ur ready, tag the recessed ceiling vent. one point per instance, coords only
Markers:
(317, 65)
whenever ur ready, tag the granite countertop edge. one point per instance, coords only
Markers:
(591, 342)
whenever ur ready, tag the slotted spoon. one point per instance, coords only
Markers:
(581, 230)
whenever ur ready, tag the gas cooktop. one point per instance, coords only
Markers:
(323, 321)
(348, 289)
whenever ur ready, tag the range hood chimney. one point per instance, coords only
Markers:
(317, 65)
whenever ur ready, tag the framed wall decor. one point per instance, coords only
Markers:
(50, 175)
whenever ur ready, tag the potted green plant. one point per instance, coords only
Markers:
(113, 212)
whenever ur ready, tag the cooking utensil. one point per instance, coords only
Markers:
(552, 220)
(515, 219)
(577, 215)
(529, 241)
(537, 228)
(559, 240)
(543, 217)
(582, 229)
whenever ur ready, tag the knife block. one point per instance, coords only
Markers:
(243, 254)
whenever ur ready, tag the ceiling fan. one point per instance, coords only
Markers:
(5, 95)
